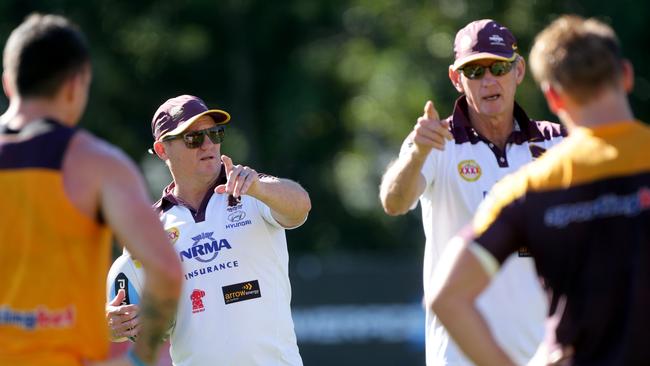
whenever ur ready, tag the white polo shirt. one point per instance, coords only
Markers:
(458, 178)
(234, 308)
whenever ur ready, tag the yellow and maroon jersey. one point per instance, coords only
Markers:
(53, 258)
(582, 211)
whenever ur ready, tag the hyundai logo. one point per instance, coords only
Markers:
(237, 216)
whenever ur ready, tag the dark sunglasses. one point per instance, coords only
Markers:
(194, 139)
(497, 68)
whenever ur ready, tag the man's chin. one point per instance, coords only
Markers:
(493, 109)
(209, 171)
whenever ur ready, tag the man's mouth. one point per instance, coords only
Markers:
(492, 97)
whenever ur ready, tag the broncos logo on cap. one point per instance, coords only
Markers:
(176, 113)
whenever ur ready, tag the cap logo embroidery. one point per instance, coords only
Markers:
(496, 40)
(176, 112)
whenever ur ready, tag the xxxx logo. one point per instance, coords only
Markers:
(469, 170)
(173, 234)
(248, 286)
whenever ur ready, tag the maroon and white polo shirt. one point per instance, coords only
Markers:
(457, 180)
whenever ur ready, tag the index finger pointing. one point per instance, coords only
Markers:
(227, 163)
(430, 111)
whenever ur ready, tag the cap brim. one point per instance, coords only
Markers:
(220, 118)
(481, 56)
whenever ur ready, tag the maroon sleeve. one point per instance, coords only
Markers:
(504, 234)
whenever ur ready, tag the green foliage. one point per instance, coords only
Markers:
(320, 91)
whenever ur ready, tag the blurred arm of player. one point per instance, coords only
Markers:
(288, 201)
(459, 279)
(403, 182)
(108, 182)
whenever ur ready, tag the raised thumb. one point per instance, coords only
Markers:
(117, 300)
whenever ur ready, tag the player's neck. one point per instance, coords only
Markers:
(496, 129)
(23, 111)
(608, 107)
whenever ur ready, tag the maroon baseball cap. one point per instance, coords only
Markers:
(482, 39)
(177, 114)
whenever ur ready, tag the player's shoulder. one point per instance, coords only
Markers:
(545, 173)
(97, 163)
(86, 142)
(89, 150)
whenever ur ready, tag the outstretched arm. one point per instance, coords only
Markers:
(460, 278)
(288, 201)
(403, 182)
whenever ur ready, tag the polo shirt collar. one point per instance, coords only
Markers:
(528, 130)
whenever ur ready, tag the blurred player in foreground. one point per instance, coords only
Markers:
(64, 192)
(583, 211)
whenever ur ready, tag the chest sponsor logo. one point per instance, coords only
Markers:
(469, 170)
(236, 216)
(241, 292)
(603, 207)
(205, 248)
(211, 268)
(237, 219)
(173, 234)
(197, 300)
(39, 318)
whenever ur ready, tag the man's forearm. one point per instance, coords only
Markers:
(156, 314)
(470, 331)
(402, 183)
(460, 279)
(288, 201)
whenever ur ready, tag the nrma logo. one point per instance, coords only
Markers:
(205, 248)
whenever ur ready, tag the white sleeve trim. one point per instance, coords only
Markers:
(487, 260)
(265, 212)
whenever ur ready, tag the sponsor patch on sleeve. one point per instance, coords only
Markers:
(241, 291)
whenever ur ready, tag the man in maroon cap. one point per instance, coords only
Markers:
(450, 164)
(582, 210)
(227, 223)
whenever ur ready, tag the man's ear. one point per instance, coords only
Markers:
(628, 76)
(6, 85)
(69, 88)
(454, 76)
(553, 97)
(159, 149)
(520, 68)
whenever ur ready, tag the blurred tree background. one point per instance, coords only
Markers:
(321, 91)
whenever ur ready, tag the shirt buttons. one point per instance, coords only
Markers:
(502, 159)
(491, 145)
